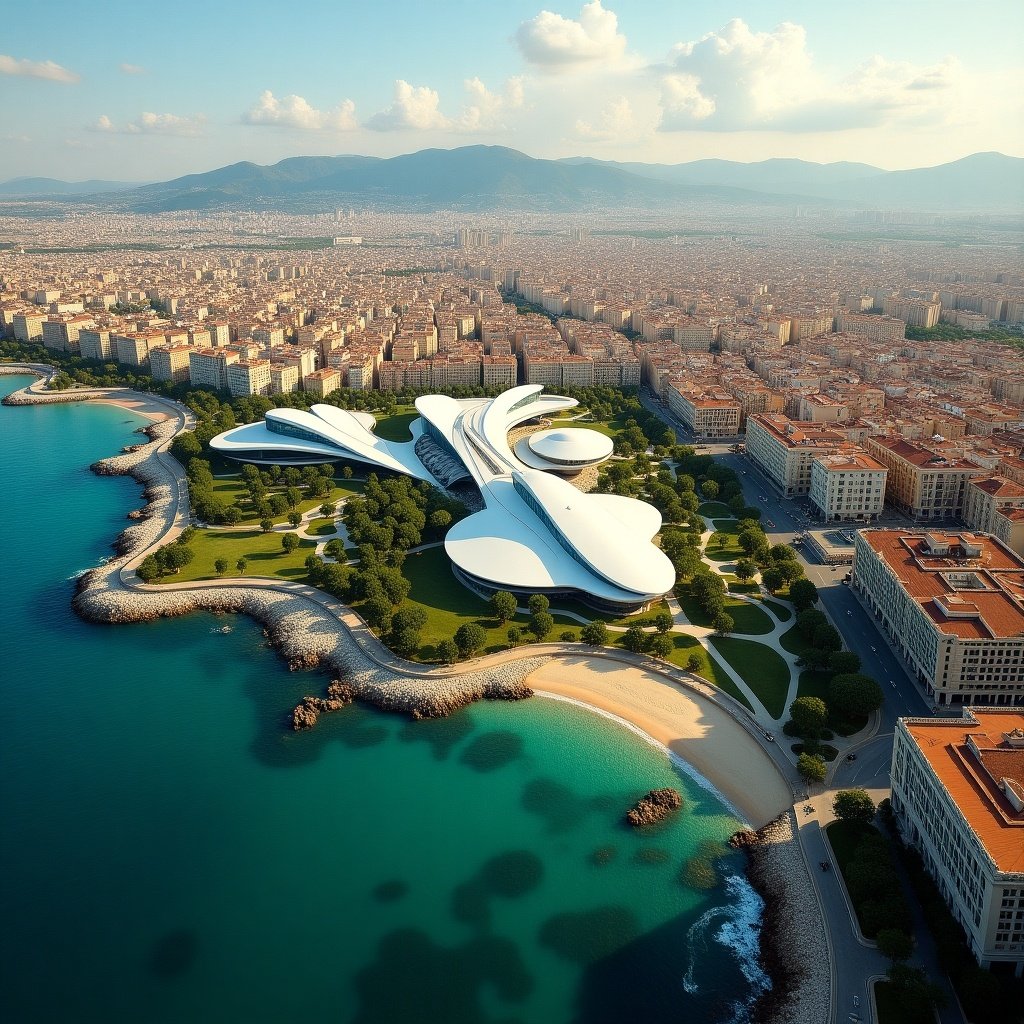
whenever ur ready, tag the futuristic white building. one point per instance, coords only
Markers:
(537, 534)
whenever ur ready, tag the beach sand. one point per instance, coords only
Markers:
(694, 728)
(143, 407)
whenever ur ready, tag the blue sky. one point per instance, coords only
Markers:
(123, 92)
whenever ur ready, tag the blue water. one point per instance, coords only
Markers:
(171, 851)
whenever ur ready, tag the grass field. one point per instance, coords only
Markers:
(395, 426)
(448, 604)
(578, 608)
(782, 613)
(714, 510)
(262, 551)
(322, 528)
(232, 491)
(748, 618)
(686, 645)
(793, 642)
(761, 668)
(722, 545)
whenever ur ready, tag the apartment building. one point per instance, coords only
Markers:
(987, 495)
(208, 367)
(878, 328)
(785, 449)
(322, 382)
(28, 326)
(133, 348)
(927, 481)
(958, 796)
(950, 602)
(499, 372)
(284, 378)
(62, 334)
(249, 377)
(170, 363)
(848, 486)
(94, 343)
(705, 412)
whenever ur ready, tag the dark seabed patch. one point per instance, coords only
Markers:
(589, 935)
(415, 981)
(603, 855)
(441, 734)
(493, 750)
(651, 855)
(174, 953)
(388, 892)
(509, 875)
(555, 803)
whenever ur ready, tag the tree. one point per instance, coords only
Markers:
(694, 662)
(746, 568)
(346, 472)
(723, 623)
(289, 541)
(440, 520)
(661, 646)
(178, 556)
(221, 565)
(914, 991)
(803, 593)
(811, 767)
(404, 642)
(240, 566)
(469, 638)
(514, 634)
(772, 580)
(809, 715)
(335, 549)
(853, 805)
(61, 381)
(635, 639)
(377, 612)
(709, 489)
(843, 662)
(895, 943)
(538, 603)
(594, 633)
(541, 623)
(826, 638)
(855, 694)
(292, 496)
(294, 518)
(327, 509)
(410, 617)
(504, 606)
(663, 622)
(447, 650)
(149, 569)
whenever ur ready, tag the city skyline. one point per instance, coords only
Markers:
(605, 80)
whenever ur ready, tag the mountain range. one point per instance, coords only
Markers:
(494, 177)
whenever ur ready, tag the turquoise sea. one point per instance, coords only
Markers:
(171, 851)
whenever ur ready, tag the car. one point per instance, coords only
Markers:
(848, 612)
(873, 650)
(845, 583)
(769, 524)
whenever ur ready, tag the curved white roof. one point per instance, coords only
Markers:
(571, 444)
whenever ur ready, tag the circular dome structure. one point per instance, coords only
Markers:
(570, 449)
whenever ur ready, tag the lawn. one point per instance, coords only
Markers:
(794, 642)
(781, 611)
(579, 608)
(449, 604)
(232, 490)
(748, 618)
(686, 645)
(722, 545)
(262, 551)
(761, 668)
(322, 528)
(714, 510)
(395, 426)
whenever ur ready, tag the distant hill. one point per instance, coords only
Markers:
(470, 178)
(983, 181)
(494, 177)
(56, 187)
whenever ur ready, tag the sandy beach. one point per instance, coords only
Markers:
(152, 410)
(695, 729)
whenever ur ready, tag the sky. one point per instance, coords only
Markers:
(131, 93)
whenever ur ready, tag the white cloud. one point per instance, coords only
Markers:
(152, 124)
(554, 43)
(414, 107)
(36, 69)
(616, 120)
(295, 112)
(737, 79)
(486, 110)
(132, 69)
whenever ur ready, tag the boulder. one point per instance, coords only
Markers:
(656, 806)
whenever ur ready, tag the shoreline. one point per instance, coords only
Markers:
(310, 630)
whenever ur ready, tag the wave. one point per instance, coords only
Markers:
(740, 933)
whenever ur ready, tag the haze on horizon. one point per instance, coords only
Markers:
(908, 85)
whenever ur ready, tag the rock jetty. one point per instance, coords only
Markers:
(656, 806)
(794, 949)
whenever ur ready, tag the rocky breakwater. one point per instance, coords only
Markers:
(656, 806)
(339, 695)
(794, 947)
